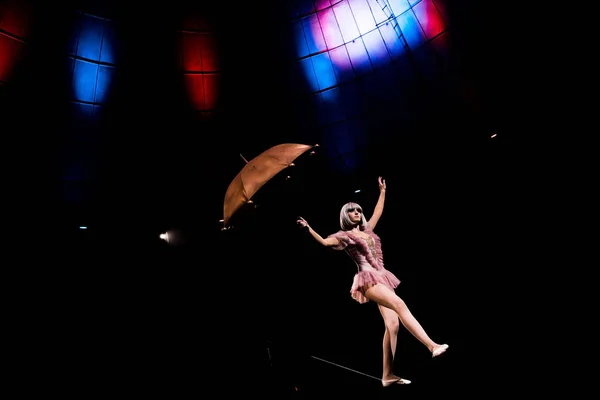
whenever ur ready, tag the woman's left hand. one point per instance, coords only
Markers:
(382, 184)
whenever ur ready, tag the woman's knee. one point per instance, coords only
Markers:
(392, 325)
(399, 304)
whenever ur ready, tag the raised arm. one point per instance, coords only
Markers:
(379, 206)
(329, 242)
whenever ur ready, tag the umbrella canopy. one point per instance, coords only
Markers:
(256, 173)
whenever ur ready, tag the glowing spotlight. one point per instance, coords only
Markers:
(175, 236)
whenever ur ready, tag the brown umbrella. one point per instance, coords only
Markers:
(257, 172)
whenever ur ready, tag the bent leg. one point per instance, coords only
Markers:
(386, 297)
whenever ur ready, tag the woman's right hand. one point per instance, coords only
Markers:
(302, 222)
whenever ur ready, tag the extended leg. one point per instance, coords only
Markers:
(382, 295)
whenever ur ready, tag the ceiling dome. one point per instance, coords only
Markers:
(368, 69)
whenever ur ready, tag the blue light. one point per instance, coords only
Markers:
(412, 32)
(85, 75)
(103, 83)
(90, 38)
(324, 71)
(309, 71)
(358, 36)
(92, 59)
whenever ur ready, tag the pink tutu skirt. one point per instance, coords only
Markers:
(363, 280)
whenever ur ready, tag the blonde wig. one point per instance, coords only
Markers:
(345, 223)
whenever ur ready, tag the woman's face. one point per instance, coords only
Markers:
(355, 214)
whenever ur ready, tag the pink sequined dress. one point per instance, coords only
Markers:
(368, 257)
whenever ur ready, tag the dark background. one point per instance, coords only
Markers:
(260, 308)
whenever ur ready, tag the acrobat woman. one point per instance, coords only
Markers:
(373, 282)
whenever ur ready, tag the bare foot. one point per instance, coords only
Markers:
(394, 380)
(439, 350)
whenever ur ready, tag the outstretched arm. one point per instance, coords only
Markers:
(379, 206)
(329, 242)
